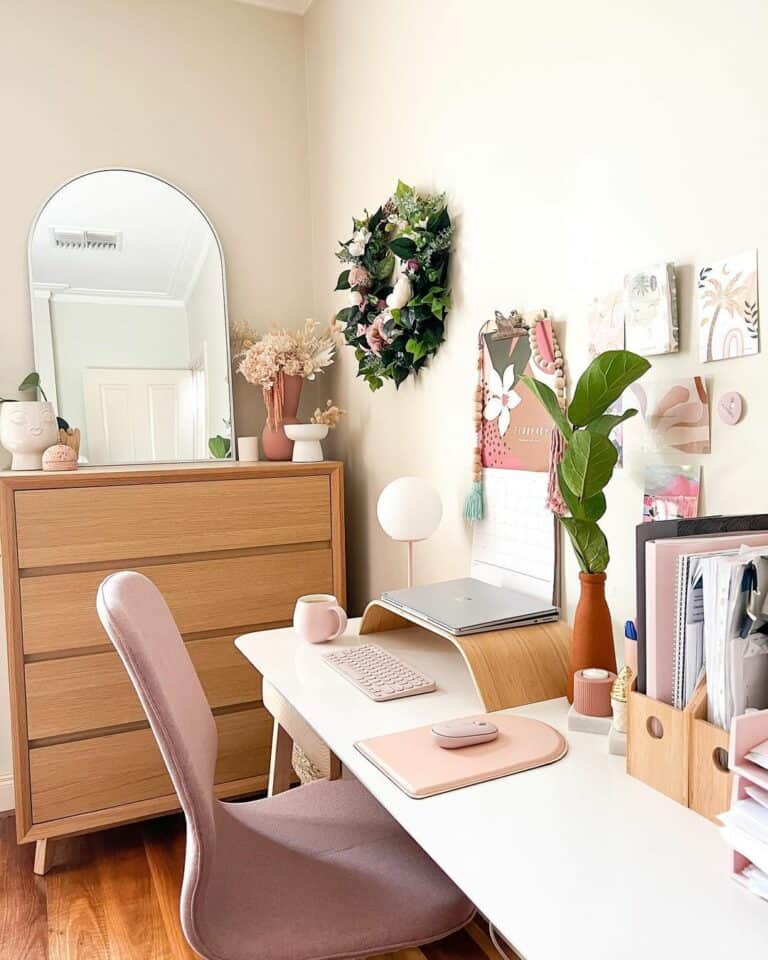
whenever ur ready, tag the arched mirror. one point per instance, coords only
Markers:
(129, 319)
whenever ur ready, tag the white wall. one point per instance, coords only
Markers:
(208, 94)
(575, 140)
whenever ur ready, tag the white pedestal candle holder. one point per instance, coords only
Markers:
(306, 441)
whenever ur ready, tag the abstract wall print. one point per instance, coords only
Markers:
(675, 413)
(605, 324)
(729, 318)
(650, 310)
(515, 429)
(671, 492)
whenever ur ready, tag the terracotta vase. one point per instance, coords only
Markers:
(274, 443)
(592, 634)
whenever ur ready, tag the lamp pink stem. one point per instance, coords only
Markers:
(410, 563)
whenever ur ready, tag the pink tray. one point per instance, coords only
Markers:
(413, 760)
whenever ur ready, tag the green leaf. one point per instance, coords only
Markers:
(32, 382)
(403, 247)
(589, 544)
(343, 282)
(590, 509)
(402, 190)
(417, 348)
(548, 399)
(588, 463)
(375, 220)
(439, 221)
(374, 382)
(219, 447)
(605, 423)
(347, 315)
(384, 268)
(603, 382)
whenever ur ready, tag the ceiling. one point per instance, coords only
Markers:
(163, 238)
(298, 7)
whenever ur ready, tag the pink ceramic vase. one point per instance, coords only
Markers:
(274, 443)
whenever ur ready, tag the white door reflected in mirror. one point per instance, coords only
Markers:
(129, 318)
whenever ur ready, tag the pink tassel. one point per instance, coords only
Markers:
(555, 500)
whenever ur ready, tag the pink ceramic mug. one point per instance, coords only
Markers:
(318, 617)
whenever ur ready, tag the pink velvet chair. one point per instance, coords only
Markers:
(321, 871)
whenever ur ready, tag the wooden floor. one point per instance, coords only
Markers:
(114, 895)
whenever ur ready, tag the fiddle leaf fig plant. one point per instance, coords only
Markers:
(590, 457)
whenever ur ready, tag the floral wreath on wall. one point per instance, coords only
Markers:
(396, 263)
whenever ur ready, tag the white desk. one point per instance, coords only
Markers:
(575, 861)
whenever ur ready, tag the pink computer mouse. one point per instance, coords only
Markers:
(451, 734)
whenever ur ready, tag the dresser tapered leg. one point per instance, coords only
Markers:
(43, 858)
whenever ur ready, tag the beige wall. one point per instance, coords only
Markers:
(575, 140)
(207, 93)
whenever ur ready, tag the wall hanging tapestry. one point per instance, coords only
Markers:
(395, 269)
(729, 318)
(513, 430)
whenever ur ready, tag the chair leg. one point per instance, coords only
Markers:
(280, 769)
(335, 769)
(43, 857)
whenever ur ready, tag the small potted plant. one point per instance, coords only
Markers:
(28, 427)
(585, 470)
(307, 437)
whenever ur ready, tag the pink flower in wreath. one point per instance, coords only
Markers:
(359, 277)
(502, 398)
(375, 336)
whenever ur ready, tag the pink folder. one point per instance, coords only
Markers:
(660, 586)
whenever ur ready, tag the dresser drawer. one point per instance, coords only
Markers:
(107, 523)
(93, 691)
(59, 610)
(86, 775)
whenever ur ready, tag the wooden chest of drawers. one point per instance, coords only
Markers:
(230, 546)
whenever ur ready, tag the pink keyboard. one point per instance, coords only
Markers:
(379, 674)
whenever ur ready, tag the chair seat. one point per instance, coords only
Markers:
(318, 872)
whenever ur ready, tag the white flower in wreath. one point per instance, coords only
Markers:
(359, 242)
(503, 398)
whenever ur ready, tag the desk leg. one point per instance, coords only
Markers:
(334, 772)
(280, 769)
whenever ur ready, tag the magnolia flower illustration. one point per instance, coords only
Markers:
(503, 398)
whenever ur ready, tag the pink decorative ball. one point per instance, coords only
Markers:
(59, 457)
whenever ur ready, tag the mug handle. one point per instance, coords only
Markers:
(342, 622)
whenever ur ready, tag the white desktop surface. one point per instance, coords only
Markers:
(574, 861)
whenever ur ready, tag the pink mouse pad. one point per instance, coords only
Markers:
(421, 768)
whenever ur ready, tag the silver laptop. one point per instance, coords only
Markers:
(471, 606)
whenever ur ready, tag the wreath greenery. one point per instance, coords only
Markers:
(395, 269)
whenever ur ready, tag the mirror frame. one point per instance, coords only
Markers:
(232, 458)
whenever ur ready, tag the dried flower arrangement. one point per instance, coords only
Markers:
(266, 359)
(329, 417)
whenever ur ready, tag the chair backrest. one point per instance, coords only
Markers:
(144, 633)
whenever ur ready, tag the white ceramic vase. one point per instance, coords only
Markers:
(306, 441)
(27, 428)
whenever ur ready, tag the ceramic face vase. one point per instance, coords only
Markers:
(275, 444)
(27, 429)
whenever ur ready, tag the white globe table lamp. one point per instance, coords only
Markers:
(409, 509)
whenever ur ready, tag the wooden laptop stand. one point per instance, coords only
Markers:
(509, 667)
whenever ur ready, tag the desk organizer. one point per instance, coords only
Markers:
(679, 753)
(746, 732)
